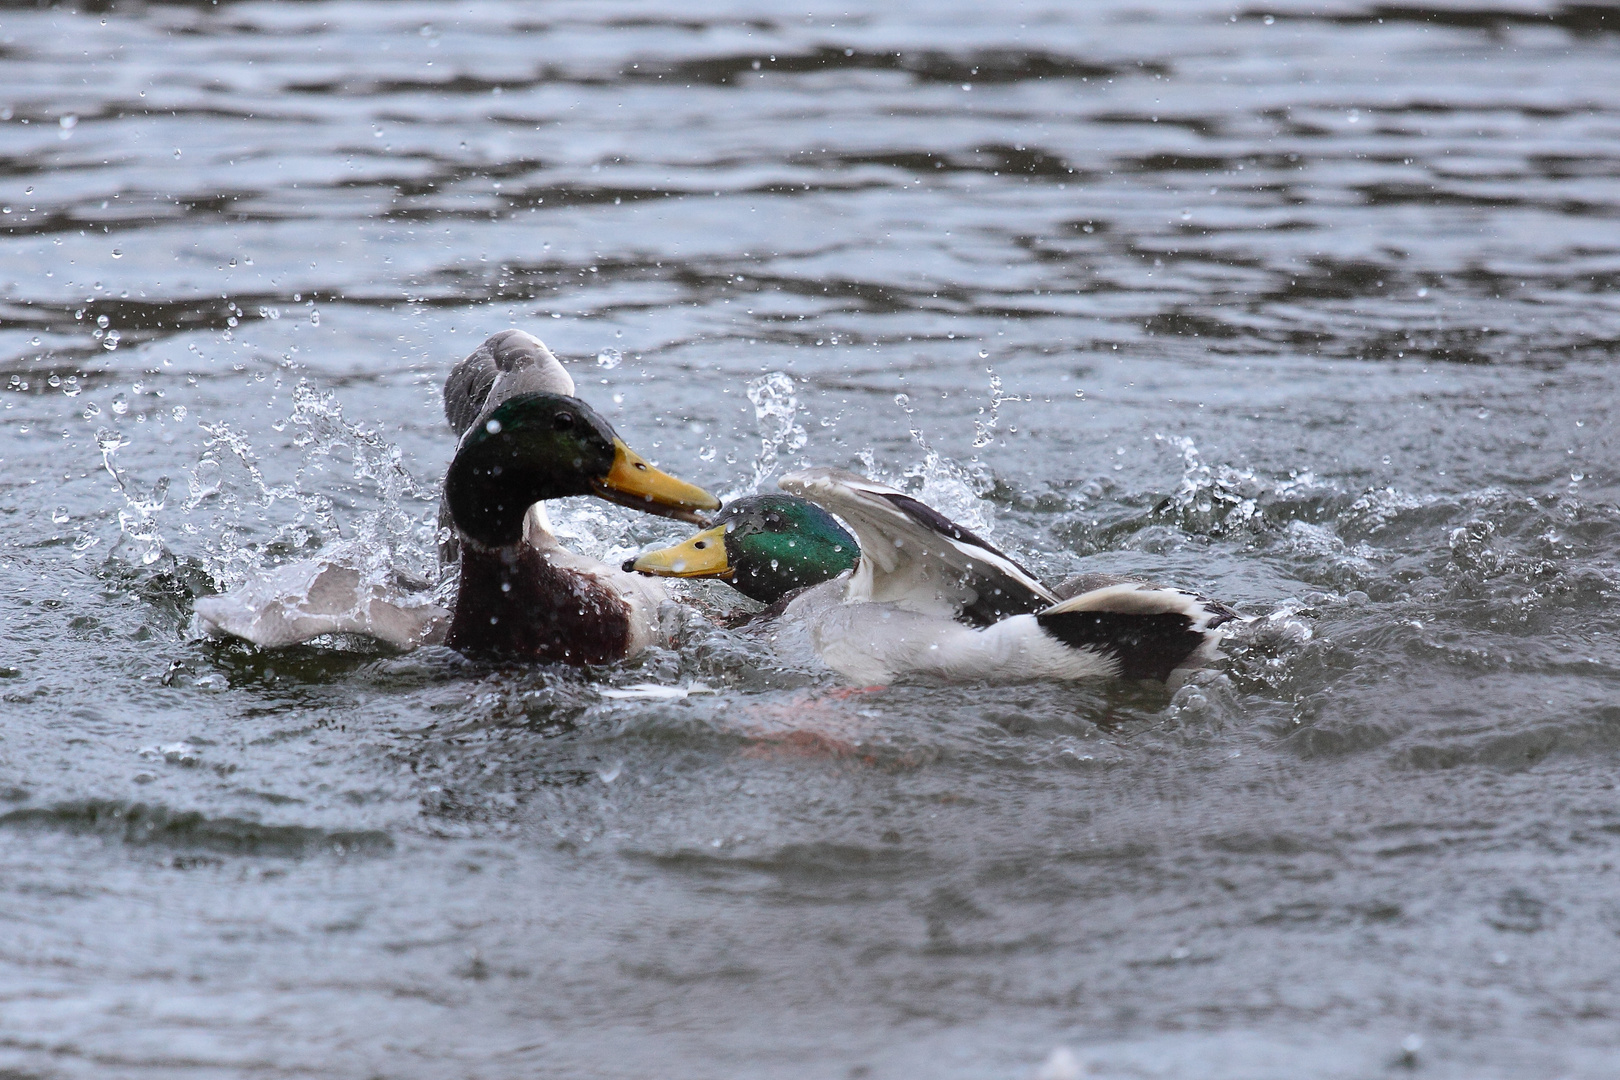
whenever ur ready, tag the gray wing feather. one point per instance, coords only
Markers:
(915, 557)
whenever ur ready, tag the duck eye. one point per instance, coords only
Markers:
(563, 420)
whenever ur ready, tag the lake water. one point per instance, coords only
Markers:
(1307, 306)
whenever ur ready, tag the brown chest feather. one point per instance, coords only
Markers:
(514, 604)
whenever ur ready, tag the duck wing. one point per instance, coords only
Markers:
(341, 592)
(915, 557)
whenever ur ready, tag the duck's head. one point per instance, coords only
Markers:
(766, 546)
(509, 363)
(539, 446)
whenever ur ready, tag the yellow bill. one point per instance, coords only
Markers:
(703, 555)
(634, 483)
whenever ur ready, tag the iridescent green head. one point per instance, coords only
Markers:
(540, 446)
(766, 546)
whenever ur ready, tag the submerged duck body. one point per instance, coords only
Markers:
(928, 597)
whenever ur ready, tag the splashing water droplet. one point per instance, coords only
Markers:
(109, 442)
(776, 407)
(984, 431)
(609, 359)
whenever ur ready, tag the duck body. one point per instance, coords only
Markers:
(539, 601)
(929, 598)
(878, 643)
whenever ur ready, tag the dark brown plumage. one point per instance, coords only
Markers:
(513, 602)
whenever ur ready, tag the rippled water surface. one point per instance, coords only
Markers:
(1308, 306)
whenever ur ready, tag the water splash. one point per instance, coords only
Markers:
(984, 431)
(955, 490)
(138, 521)
(109, 442)
(323, 431)
(1211, 500)
(138, 518)
(242, 515)
(944, 484)
(776, 408)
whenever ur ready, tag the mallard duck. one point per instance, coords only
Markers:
(928, 597)
(520, 593)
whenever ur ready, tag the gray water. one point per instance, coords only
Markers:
(1313, 312)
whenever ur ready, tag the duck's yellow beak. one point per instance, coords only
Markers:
(704, 555)
(634, 483)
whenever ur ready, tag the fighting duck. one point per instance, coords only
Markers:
(928, 597)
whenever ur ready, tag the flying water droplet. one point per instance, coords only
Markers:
(984, 431)
(776, 408)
